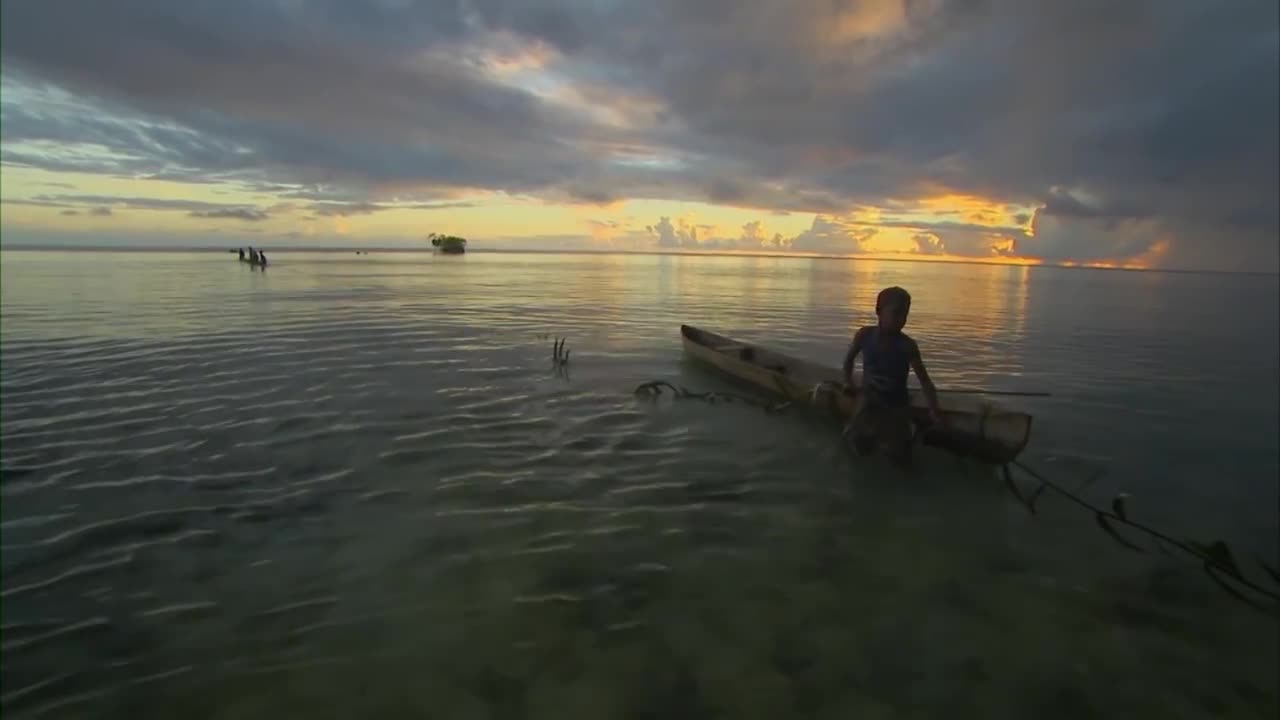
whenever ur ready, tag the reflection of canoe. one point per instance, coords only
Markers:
(978, 428)
(247, 261)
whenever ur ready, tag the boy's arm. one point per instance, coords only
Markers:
(855, 347)
(926, 384)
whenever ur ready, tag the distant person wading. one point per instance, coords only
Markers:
(256, 257)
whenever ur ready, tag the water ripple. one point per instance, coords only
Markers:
(332, 472)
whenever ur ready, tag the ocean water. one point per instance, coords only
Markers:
(355, 486)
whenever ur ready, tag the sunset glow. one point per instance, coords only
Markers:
(873, 130)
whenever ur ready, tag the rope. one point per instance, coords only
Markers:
(1216, 558)
(653, 390)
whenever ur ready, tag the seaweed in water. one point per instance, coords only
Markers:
(504, 693)
(1216, 558)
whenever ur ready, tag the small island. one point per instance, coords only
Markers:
(450, 244)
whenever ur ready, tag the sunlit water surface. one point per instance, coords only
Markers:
(353, 486)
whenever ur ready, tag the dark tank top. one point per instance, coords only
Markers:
(886, 360)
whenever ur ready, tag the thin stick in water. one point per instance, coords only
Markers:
(1010, 393)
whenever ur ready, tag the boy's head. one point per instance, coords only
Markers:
(892, 306)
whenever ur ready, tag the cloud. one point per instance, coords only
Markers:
(348, 209)
(246, 214)
(842, 236)
(669, 236)
(826, 236)
(809, 106)
(103, 204)
(829, 235)
(34, 203)
(591, 195)
(929, 244)
(333, 209)
(133, 202)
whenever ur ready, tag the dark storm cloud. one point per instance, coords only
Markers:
(591, 195)
(335, 94)
(1143, 119)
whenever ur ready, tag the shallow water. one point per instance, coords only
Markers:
(354, 486)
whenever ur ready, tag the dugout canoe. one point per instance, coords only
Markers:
(978, 427)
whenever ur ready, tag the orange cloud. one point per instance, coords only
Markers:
(867, 19)
(513, 56)
(961, 207)
(1145, 261)
(603, 230)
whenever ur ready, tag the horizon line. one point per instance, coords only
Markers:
(1031, 262)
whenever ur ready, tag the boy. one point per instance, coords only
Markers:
(883, 409)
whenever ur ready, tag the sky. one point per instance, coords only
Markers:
(1137, 134)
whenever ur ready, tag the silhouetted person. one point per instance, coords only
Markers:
(883, 413)
(241, 253)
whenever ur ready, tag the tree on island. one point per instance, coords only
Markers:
(448, 242)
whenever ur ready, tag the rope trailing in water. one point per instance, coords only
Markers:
(653, 390)
(1216, 558)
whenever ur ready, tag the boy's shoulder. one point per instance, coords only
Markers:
(866, 330)
(904, 339)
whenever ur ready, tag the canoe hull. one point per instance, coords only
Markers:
(977, 427)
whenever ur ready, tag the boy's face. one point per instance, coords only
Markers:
(893, 314)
